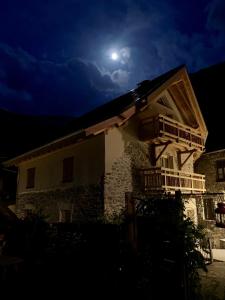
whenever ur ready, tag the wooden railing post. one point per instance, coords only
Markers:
(131, 220)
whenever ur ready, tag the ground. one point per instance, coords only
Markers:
(213, 282)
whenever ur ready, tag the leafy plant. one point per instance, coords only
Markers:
(169, 247)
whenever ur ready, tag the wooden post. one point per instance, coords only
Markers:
(131, 219)
(178, 198)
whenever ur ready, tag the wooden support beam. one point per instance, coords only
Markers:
(166, 144)
(190, 152)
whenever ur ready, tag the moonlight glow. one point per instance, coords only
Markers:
(114, 56)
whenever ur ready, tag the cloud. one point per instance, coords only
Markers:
(124, 55)
(37, 86)
(121, 77)
(63, 63)
(7, 93)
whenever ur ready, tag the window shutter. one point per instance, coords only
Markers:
(30, 177)
(220, 170)
(68, 165)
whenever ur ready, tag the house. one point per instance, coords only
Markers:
(145, 141)
(212, 165)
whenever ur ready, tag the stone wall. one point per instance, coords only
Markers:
(117, 183)
(85, 203)
(125, 155)
(214, 233)
(125, 176)
(206, 165)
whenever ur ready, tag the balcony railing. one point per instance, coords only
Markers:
(155, 179)
(163, 126)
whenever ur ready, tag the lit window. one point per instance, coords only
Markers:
(30, 177)
(68, 167)
(166, 162)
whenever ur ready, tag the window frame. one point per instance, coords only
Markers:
(167, 161)
(220, 165)
(30, 182)
(209, 209)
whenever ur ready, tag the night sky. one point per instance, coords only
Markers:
(56, 56)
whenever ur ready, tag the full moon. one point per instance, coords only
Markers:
(114, 56)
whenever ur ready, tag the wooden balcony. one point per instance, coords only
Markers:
(166, 127)
(163, 179)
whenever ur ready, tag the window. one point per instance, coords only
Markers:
(209, 209)
(220, 168)
(68, 164)
(167, 162)
(30, 177)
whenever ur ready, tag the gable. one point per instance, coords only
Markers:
(175, 99)
(162, 105)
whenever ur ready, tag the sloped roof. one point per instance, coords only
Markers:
(6, 215)
(100, 114)
(118, 105)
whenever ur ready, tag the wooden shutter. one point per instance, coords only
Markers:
(68, 165)
(220, 166)
(30, 177)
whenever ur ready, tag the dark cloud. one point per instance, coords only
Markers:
(40, 86)
(58, 54)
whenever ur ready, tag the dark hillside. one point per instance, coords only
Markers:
(209, 84)
(19, 133)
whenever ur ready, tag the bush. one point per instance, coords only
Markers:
(169, 255)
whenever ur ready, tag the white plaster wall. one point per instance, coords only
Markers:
(114, 147)
(88, 166)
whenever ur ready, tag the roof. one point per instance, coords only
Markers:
(6, 215)
(214, 152)
(120, 104)
(107, 111)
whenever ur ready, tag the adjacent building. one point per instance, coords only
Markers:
(212, 165)
(143, 142)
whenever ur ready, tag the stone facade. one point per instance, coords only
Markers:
(122, 173)
(125, 176)
(207, 165)
(130, 156)
(85, 203)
